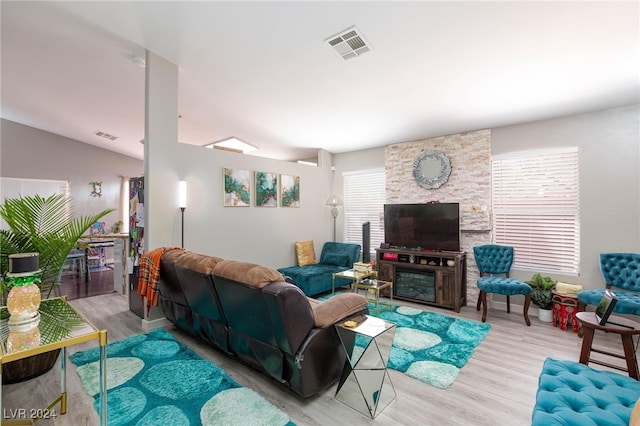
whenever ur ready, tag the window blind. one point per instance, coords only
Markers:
(16, 187)
(536, 209)
(364, 197)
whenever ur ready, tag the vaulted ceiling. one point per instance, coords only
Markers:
(263, 71)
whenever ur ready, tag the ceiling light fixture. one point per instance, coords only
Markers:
(232, 144)
(349, 43)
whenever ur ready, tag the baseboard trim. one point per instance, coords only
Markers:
(502, 306)
(156, 323)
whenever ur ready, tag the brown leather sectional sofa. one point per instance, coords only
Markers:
(248, 311)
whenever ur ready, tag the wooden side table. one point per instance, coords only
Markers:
(626, 328)
(565, 307)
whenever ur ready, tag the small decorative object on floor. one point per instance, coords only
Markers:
(565, 308)
(541, 296)
(545, 315)
(23, 301)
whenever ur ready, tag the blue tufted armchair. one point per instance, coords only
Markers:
(621, 273)
(494, 263)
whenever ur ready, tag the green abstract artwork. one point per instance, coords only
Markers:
(237, 187)
(266, 189)
(290, 191)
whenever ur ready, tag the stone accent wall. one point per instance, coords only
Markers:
(469, 184)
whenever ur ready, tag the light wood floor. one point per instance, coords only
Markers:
(496, 387)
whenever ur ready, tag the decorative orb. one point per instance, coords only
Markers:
(24, 296)
(22, 341)
(23, 301)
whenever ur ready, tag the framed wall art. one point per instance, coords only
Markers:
(289, 191)
(266, 189)
(237, 187)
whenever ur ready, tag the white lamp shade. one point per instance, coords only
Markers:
(182, 194)
(334, 200)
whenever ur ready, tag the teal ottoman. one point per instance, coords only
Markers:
(573, 394)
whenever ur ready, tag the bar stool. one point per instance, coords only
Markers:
(77, 259)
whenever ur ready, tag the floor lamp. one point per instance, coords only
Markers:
(182, 202)
(334, 201)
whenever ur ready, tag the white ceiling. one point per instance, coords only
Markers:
(262, 72)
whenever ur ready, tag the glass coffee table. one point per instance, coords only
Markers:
(365, 384)
(350, 274)
(60, 327)
(373, 286)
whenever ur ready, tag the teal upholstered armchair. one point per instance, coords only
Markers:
(494, 263)
(621, 273)
(317, 278)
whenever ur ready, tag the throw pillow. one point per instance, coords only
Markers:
(305, 253)
(635, 415)
(336, 259)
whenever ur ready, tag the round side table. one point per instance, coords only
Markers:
(624, 327)
(565, 308)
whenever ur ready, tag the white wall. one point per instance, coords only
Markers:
(161, 134)
(264, 235)
(30, 153)
(609, 151)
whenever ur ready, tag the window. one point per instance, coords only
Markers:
(364, 197)
(536, 209)
(15, 188)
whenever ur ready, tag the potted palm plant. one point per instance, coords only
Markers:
(541, 295)
(48, 227)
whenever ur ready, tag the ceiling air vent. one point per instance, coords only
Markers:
(105, 135)
(349, 43)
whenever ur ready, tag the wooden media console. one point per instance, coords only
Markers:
(429, 277)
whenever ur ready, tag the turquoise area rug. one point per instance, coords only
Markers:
(429, 346)
(152, 379)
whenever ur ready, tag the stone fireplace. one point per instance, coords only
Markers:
(469, 184)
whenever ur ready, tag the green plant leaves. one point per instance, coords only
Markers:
(57, 321)
(541, 295)
(46, 226)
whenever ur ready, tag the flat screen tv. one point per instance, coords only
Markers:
(432, 226)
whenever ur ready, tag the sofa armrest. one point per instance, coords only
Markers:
(337, 308)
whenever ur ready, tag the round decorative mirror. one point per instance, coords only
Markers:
(431, 169)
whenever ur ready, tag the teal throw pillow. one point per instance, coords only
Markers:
(336, 259)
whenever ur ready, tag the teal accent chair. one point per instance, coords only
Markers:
(621, 274)
(317, 279)
(494, 263)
